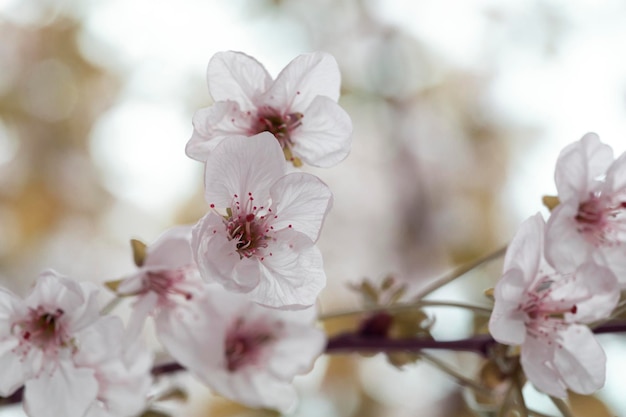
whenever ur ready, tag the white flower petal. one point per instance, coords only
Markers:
(237, 76)
(581, 360)
(300, 200)
(526, 249)
(171, 250)
(212, 124)
(295, 355)
(242, 165)
(614, 258)
(579, 165)
(536, 360)
(616, 176)
(293, 276)
(303, 79)
(566, 247)
(506, 323)
(324, 139)
(194, 335)
(67, 392)
(13, 370)
(600, 285)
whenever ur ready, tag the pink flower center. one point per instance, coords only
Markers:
(42, 329)
(249, 226)
(545, 315)
(281, 126)
(600, 220)
(166, 283)
(244, 345)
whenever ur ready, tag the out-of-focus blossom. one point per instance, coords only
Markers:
(247, 352)
(263, 241)
(39, 338)
(166, 280)
(122, 370)
(299, 108)
(542, 310)
(589, 224)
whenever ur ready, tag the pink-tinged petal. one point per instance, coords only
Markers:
(271, 393)
(142, 308)
(566, 247)
(506, 323)
(536, 360)
(616, 176)
(52, 289)
(240, 166)
(238, 77)
(578, 167)
(580, 360)
(293, 275)
(306, 77)
(13, 371)
(67, 392)
(614, 258)
(212, 124)
(194, 335)
(602, 290)
(526, 249)
(301, 201)
(296, 354)
(171, 250)
(325, 137)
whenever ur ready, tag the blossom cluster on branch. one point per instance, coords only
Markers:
(233, 296)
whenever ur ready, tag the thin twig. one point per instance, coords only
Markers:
(517, 382)
(458, 272)
(562, 406)
(462, 380)
(406, 306)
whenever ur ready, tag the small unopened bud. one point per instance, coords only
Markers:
(139, 251)
(550, 201)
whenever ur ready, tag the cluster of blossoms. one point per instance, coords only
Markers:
(232, 297)
(561, 276)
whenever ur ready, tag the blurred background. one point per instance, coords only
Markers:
(460, 109)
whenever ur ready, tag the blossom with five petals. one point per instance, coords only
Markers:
(39, 337)
(247, 352)
(589, 224)
(263, 241)
(299, 108)
(542, 310)
(166, 281)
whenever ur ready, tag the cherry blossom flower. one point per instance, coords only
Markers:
(247, 352)
(166, 281)
(299, 108)
(589, 224)
(122, 371)
(39, 337)
(542, 310)
(263, 241)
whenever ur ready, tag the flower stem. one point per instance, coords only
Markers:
(459, 271)
(462, 380)
(562, 406)
(111, 305)
(407, 306)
